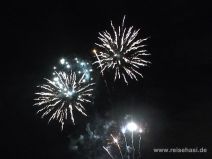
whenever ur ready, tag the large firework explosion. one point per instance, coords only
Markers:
(70, 88)
(121, 52)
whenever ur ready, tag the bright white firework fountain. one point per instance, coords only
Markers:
(127, 141)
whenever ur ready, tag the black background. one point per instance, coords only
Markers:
(174, 97)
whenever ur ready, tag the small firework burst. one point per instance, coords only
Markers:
(68, 90)
(122, 52)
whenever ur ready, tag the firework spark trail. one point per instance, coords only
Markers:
(139, 144)
(61, 95)
(121, 52)
(125, 141)
(108, 152)
(117, 144)
(133, 147)
(108, 90)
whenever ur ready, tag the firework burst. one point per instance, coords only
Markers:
(122, 52)
(68, 90)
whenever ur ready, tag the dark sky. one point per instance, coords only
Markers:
(174, 97)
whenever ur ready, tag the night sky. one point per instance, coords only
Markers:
(174, 97)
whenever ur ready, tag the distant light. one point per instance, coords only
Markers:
(79, 72)
(54, 68)
(53, 73)
(62, 61)
(132, 126)
(83, 80)
(91, 70)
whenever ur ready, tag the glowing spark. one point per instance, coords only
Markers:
(114, 139)
(62, 61)
(122, 52)
(68, 66)
(140, 130)
(94, 51)
(123, 130)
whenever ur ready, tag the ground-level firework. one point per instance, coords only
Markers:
(68, 89)
(110, 139)
(125, 143)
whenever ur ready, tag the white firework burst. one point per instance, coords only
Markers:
(122, 52)
(62, 94)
